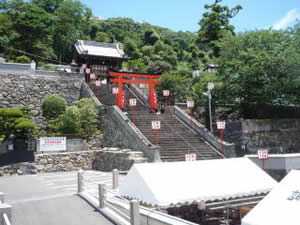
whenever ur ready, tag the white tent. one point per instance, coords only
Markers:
(164, 184)
(281, 206)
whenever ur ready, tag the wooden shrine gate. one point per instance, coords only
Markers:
(121, 78)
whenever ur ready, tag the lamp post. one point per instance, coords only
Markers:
(210, 87)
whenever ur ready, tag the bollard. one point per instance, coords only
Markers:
(101, 195)
(5, 209)
(1, 197)
(79, 181)
(115, 179)
(134, 213)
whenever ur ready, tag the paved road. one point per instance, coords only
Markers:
(50, 198)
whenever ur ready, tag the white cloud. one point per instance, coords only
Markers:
(291, 17)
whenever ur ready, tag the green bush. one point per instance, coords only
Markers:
(53, 106)
(88, 117)
(69, 122)
(15, 121)
(22, 59)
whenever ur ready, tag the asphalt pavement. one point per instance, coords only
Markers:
(50, 199)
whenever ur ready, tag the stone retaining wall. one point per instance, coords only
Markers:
(17, 90)
(105, 159)
(120, 132)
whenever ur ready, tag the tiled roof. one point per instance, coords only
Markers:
(93, 48)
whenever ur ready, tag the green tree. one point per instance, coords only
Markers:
(260, 67)
(214, 24)
(53, 106)
(88, 117)
(71, 19)
(15, 121)
(69, 122)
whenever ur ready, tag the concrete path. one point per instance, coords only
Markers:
(50, 199)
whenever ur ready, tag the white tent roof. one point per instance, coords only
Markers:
(164, 184)
(94, 48)
(276, 208)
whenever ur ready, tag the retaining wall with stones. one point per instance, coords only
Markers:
(105, 159)
(19, 90)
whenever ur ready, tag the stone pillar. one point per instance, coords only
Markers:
(5, 209)
(1, 197)
(79, 181)
(134, 213)
(115, 179)
(101, 195)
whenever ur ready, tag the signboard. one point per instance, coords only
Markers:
(190, 103)
(142, 86)
(155, 125)
(53, 144)
(221, 125)
(166, 93)
(191, 157)
(87, 70)
(98, 83)
(132, 102)
(263, 154)
(104, 81)
(115, 90)
(92, 76)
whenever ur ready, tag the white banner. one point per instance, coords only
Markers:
(221, 125)
(191, 157)
(166, 93)
(190, 103)
(53, 144)
(155, 125)
(263, 154)
(115, 90)
(132, 102)
(98, 83)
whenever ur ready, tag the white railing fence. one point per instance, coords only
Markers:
(104, 196)
(5, 211)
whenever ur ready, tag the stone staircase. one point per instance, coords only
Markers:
(174, 138)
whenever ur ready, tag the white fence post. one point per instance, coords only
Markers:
(2, 197)
(134, 213)
(115, 179)
(101, 195)
(5, 209)
(79, 181)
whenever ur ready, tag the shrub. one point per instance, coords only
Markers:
(53, 106)
(23, 59)
(69, 122)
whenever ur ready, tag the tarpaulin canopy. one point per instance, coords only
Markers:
(281, 206)
(168, 183)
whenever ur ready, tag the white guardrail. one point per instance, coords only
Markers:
(5, 211)
(105, 198)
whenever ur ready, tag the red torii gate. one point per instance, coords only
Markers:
(121, 78)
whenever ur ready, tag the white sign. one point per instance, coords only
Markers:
(263, 154)
(115, 90)
(98, 83)
(191, 157)
(87, 70)
(142, 86)
(166, 93)
(52, 144)
(190, 103)
(210, 86)
(132, 101)
(104, 81)
(155, 125)
(221, 125)
(92, 76)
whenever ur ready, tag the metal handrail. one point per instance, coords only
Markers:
(6, 220)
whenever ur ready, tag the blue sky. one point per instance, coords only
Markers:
(185, 14)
